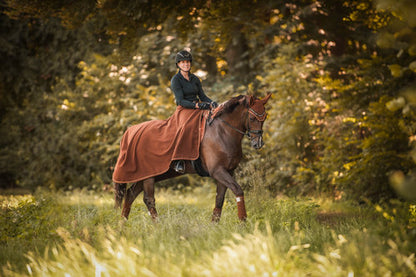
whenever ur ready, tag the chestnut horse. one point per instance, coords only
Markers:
(220, 154)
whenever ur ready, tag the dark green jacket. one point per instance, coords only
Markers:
(188, 92)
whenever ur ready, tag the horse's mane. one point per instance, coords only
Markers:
(227, 107)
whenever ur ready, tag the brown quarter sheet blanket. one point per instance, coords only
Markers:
(147, 149)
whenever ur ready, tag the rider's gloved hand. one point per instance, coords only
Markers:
(204, 106)
(214, 104)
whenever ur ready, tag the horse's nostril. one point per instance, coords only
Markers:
(257, 144)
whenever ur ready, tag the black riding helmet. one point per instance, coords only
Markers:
(183, 56)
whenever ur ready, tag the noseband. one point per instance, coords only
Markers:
(257, 133)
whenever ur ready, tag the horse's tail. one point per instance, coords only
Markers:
(119, 193)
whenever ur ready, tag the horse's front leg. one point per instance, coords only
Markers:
(149, 197)
(219, 202)
(225, 178)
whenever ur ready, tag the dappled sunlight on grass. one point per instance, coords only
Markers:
(81, 197)
(80, 234)
(13, 201)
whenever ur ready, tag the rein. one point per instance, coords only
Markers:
(259, 117)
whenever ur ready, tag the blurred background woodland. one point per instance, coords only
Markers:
(342, 119)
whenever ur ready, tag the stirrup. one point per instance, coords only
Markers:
(179, 166)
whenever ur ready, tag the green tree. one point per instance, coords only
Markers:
(342, 74)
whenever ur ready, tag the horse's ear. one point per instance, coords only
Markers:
(246, 100)
(265, 99)
(251, 100)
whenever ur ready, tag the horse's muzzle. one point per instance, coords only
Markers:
(257, 142)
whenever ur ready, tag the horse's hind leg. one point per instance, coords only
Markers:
(119, 192)
(219, 202)
(149, 197)
(131, 194)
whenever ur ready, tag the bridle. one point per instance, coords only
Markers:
(256, 133)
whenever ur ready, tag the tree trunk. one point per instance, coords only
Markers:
(237, 56)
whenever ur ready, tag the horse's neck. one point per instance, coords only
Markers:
(236, 120)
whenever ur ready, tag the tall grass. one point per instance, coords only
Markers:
(80, 234)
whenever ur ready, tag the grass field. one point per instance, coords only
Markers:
(80, 234)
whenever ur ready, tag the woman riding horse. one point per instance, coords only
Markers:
(147, 149)
(188, 92)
